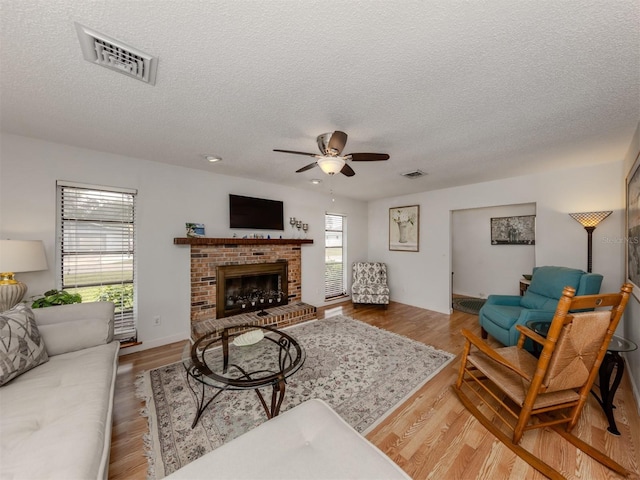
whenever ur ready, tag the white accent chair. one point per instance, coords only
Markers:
(370, 284)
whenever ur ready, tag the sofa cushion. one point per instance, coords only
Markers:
(547, 284)
(550, 281)
(59, 425)
(535, 301)
(502, 315)
(21, 345)
(75, 335)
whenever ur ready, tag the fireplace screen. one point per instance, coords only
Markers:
(246, 288)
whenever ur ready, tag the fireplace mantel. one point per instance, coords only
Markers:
(240, 241)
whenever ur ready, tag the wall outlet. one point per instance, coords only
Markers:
(156, 320)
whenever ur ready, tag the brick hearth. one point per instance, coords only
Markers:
(278, 316)
(209, 253)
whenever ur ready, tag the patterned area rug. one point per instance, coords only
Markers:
(468, 305)
(361, 371)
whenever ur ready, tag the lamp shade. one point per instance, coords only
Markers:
(589, 219)
(331, 165)
(22, 256)
(18, 256)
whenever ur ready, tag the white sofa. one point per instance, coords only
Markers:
(310, 441)
(55, 419)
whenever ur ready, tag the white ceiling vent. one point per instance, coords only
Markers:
(108, 52)
(414, 174)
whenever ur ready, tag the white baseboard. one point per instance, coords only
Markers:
(160, 342)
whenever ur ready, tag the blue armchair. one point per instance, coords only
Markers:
(501, 313)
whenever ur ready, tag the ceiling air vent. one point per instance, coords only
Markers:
(414, 174)
(108, 52)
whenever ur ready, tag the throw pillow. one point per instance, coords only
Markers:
(74, 335)
(21, 345)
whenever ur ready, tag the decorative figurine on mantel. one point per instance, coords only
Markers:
(292, 222)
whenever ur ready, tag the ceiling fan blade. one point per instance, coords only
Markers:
(296, 153)
(347, 170)
(368, 157)
(337, 142)
(307, 167)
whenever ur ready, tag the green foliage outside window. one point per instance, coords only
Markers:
(121, 295)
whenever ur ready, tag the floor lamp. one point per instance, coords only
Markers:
(18, 256)
(589, 220)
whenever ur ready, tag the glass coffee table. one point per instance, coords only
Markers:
(244, 357)
(611, 361)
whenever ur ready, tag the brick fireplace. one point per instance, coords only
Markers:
(236, 256)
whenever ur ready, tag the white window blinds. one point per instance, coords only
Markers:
(334, 273)
(96, 246)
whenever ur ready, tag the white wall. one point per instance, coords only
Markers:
(422, 278)
(168, 196)
(480, 268)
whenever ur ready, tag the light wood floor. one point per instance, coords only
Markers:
(431, 435)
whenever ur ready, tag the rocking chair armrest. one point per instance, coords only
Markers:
(491, 353)
(526, 331)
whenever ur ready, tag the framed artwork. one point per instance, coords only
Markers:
(195, 230)
(633, 226)
(519, 230)
(404, 228)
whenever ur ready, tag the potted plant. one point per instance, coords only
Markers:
(56, 297)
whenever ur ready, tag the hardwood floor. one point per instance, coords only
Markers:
(431, 436)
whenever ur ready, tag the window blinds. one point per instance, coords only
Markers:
(334, 273)
(96, 245)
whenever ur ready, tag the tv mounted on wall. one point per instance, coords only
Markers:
(255, 213)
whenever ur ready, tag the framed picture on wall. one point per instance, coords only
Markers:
(404, 228)
(520, 230)
(633, 226)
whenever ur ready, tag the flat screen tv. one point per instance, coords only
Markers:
(255, 213)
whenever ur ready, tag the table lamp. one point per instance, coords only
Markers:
(589, 220)
(18, 256)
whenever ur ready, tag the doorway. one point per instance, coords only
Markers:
(479, 268)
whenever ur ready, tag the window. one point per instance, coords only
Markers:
(96, 248)
(334, 272)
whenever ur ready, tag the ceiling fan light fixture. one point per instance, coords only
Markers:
(331, 165)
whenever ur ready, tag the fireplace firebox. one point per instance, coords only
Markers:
(250, 287)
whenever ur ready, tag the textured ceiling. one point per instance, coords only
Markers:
(465, 91)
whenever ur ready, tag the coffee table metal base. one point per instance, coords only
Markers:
(214, 364)
(273, 410)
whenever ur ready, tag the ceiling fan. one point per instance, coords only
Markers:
(330, 160)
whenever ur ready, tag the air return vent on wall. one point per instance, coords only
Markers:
(108, 52)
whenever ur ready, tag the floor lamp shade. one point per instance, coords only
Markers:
(18, 256)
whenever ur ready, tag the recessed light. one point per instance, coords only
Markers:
(212, 158)
(316, 181)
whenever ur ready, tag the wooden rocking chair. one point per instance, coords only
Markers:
(552, 390)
